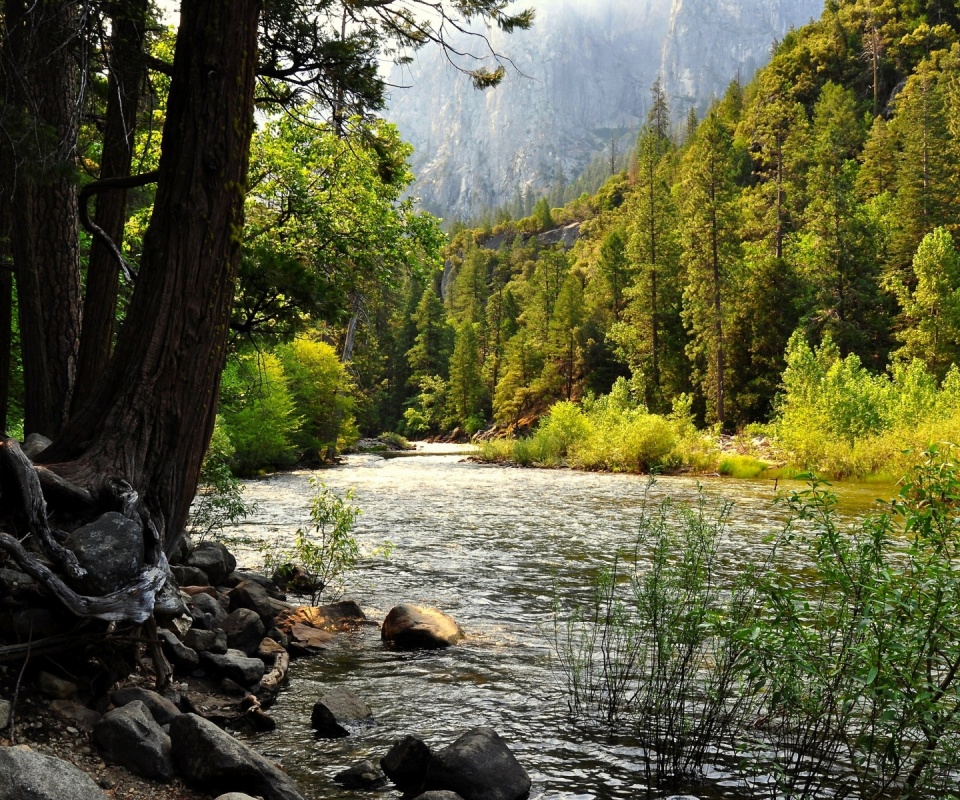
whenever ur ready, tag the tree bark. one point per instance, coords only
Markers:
(127, 68)
(151, 416)
(41, 84)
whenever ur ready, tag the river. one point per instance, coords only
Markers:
(492, 546)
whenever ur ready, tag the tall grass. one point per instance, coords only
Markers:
(829, 668)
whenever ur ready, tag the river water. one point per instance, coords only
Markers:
(492, 546)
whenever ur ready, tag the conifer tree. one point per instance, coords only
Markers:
(706, 192)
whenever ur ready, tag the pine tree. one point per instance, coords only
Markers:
(706, 193)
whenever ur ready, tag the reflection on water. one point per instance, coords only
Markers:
(489, 545)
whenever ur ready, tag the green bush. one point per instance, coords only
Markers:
(258, 413)
(838, 419)
(322, 396)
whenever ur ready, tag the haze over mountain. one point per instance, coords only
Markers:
(580, 89)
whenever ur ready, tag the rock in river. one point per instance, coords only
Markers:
(479, 766)
(339, 712)
(410, 627)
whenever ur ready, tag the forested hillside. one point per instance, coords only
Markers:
(808, 220)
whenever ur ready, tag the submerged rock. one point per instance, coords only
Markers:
(410, 627)
(363, 775)
(339, 712)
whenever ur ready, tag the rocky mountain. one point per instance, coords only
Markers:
(578, 89)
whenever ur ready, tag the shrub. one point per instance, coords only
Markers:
(322, 396)
(326, 548)
(258, 412)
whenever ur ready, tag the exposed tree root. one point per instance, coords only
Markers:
(134, 602)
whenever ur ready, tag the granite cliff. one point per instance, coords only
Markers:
(579, 89)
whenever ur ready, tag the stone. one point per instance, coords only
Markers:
(406, 763)
(55, 687)
(239, 576)
(212, 759)
(438, 795)
(5, 711)
(235, 796)
(235, 665)
(110, 549)
(84, 718)
(409, 627)
(214, 559)
(130, 736)
(479, 766)
(190, 576)
(244, 630)
(183, 658)
(249, 594)
(304, 640)
(331, 617)
(202, 641)
(295, 579)
(25, 775)
(15, 582)
(363, 775)
(339, 712)
(161, 709)
(207, 612)
(36, 623)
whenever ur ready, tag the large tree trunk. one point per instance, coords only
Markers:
(127, 69)
(152, 414)
(41, 90)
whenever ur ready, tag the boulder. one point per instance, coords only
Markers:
(214, 559)
(331, 617)
(5, 711)
(207, 612)
(235, 665)
(339, 712)
(25, 775)
(410, 627)
(295, 579)
(239, 576)
(406, 763)
(110, 549)
(212, 759)
(190, 576)
(202, 641)
(235, 796)
(251, 595)
(479, 766)
(183, 658)
(130, 736)
(160, 708)
(363, 775)
(244, 630)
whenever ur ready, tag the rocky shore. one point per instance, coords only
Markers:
(218, 660)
